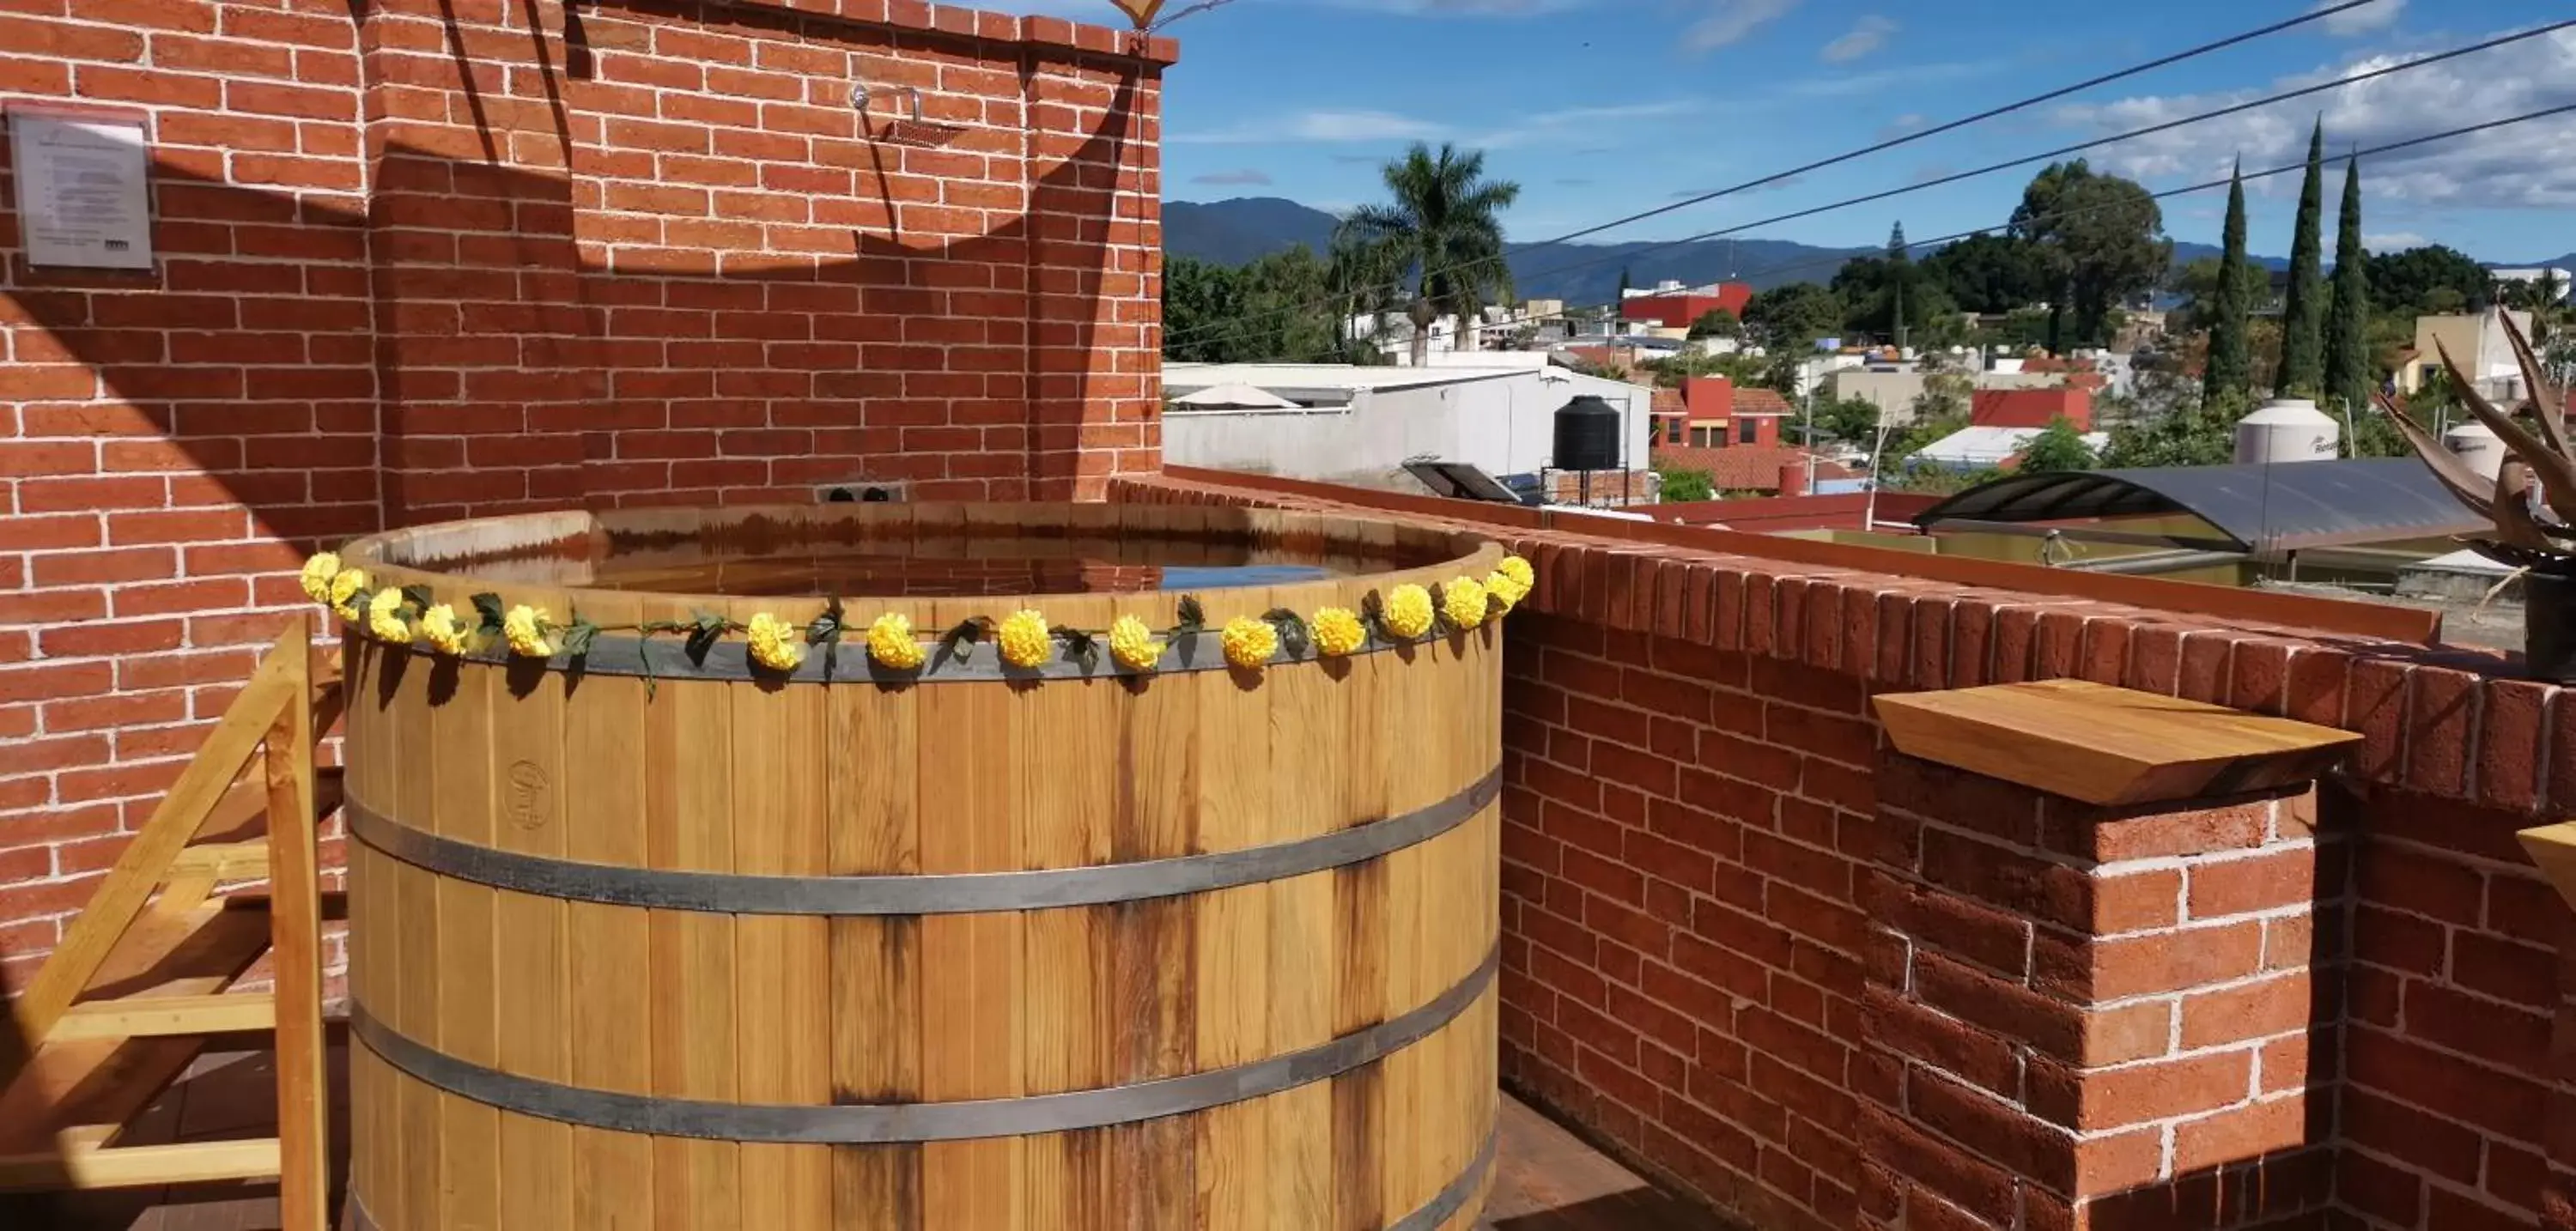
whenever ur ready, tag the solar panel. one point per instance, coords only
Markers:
(1461, 481)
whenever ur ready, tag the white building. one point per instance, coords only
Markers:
(1984, 448)
(2564, 280)
(2477, 342)
(1361, 424)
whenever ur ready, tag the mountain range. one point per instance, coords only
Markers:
(1247, 228)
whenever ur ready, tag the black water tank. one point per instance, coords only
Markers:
(1587, 435)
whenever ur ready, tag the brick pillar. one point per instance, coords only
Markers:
(2093, 1016)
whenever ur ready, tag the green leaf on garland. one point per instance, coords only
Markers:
(1080, 646)
(577, 637)
(826, 627)
(488, 605)
(706, 628)
(959, 642)
(1291, 628)
(1373, 615)
(418, 596)
(1193, 617)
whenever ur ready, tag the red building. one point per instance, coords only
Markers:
(2031, 407)
(1679, 309)
(1722, 415)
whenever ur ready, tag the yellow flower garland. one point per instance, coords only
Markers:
(317, 576)
(444, 632)
(384, 618)
(1250, 643)
(524, 628)
(891, 644)
(1025, 640)
(344, 592)
(1134, 645)
(1462, 603)
(1408, 611)
(775, 643)
(1337, 632)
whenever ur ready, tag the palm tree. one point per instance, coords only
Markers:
(1442, 226)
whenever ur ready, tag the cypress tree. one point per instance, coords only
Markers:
(2347, 348)
(2303, 320)
(2231, 358)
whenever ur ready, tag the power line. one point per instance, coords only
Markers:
(1236, 327)
(1905, 139)
(2186, 190)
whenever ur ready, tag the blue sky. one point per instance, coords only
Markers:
(1599, 108)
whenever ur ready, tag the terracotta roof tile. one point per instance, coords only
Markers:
(1744, 468)
(1752, 401)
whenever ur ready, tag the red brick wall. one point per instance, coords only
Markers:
(1682, 954)
(421, 258)
(1691, 794)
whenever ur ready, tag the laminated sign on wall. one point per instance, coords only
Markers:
(83, 195)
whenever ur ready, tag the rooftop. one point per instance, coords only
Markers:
(2253, 507)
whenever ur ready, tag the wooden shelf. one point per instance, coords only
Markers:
(2104, 745)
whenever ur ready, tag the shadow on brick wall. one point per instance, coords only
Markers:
(483, 340)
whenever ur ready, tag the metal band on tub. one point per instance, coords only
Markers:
(943, 894)
(1429, 1216)
(900, 1123)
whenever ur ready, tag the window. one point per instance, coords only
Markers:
(1708, 437)
(1745, 430)
(1672, 431)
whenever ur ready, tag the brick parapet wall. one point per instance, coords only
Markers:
(2112, 1017)
(420, 257)
(2435, 978)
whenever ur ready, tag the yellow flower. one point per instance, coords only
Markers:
(384, 618)
(525, 629)
(1249, 643)
(1462, 603)
(1408, 612)
(318, 573)
(1337, 632)
(1502, 594)
(344, 592)
(775, 643)
(891, 644)
(1518, 570)
(1025, 640)
(445, 632)
(1134, 645)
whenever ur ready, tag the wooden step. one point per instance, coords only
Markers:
(77, 1165)
(223, 861)
(152, 1016)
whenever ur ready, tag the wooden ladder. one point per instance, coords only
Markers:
(124, 1005)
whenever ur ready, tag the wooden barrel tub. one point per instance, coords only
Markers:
(961, 950)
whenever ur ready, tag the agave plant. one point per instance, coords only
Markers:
(2539, 538)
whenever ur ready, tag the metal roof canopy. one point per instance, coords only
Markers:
(2259, 508)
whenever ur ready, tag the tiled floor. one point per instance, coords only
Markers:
(1546, 1180)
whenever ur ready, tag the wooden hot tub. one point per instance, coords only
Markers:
(967, 948)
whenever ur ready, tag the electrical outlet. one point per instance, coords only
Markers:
(864, 491)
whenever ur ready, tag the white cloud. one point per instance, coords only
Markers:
(1245, 175)
(2377, 15)
(2521, 166)
(1319, 127)
(1729, 21)
(2393, 241)
(1866, 36)
(1554, 125)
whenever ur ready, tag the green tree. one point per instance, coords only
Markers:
(1201, 307)
(2348, 368)
(2230, 372)
(2429, 279)
(2190, 432)
(1685, 486)
(1445, 226)
(2104, 238)
(1890, 297)
(2059, 447)
(1716, 323)
(1989, 273)
(2303, 314)
(1793, 316)
(1849, 420)
(2197, 284)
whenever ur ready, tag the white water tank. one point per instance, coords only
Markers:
(2477, 445)
(2287, 430)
